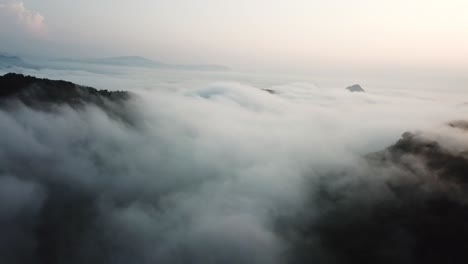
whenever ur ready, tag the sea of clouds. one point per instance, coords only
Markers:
(210, 169)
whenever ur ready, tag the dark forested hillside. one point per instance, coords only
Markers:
(38, 92)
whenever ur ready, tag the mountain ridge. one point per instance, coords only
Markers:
(9, 61)
(46, 95)
(139, 61)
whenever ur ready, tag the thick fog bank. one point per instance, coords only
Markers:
(229, 173)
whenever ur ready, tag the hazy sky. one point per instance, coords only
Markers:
(294, 34)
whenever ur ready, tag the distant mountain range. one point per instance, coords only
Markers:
(10, 61)
(137, 61)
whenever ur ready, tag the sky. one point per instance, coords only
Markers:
(294, 35)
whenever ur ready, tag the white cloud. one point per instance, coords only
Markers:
(210, 167)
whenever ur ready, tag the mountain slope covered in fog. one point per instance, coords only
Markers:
(33, 91)
(49, 94)
(410, 206)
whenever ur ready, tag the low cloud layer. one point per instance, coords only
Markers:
(228, 173)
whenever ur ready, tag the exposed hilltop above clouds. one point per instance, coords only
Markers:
(355, 88)
(223, 174)
(461, 124)
(34, 91)
(409, 205)
(50, 95)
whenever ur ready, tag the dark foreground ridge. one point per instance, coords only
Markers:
(410, 206)
(43, 93)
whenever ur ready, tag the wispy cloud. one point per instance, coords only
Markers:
(31, 20)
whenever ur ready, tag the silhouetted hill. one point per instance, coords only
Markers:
(444, 164)
(271, 91)
(408, 206)
(45, 94)
(355, 88)
(460, 124)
